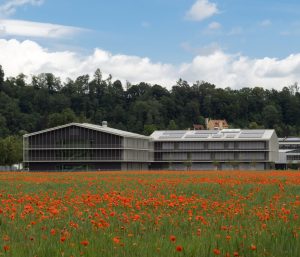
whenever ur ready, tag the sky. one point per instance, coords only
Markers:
(231, 43)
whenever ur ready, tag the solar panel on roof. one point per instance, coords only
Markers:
(231, 130)
(197, 136)
(250, 135)
(252, 131)
(173, 132)
(170, 136)
(217, 136)
(230, 135)
(206, 132)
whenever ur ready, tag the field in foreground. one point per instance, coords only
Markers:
(150, 214)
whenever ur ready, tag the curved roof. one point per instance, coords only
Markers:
(105, 129)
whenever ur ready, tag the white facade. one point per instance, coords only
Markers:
(209, 149)
(289, 152)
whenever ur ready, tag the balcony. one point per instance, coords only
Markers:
(73, 158)
(74, 146)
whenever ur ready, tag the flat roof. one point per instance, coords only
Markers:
(213, 135)
(289, 140)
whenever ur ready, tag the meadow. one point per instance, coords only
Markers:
(134, 214)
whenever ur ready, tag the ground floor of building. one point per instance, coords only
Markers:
(210, 166)
(84, 166)
(102, 166)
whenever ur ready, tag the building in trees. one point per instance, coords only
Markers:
(289, 153)
(215, 149)
(216, 124)
(82, 146)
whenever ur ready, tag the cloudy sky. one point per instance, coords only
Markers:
(231, 43)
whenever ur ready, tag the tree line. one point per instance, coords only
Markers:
(43, 101)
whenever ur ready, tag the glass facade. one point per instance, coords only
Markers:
(81, 145)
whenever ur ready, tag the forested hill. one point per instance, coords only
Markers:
(46, 102)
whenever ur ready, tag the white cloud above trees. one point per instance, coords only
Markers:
(218, 67)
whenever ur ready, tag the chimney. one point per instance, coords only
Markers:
(206, 122)
(104, 123)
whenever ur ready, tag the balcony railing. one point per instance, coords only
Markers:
(73, 159)
(209, 150)
(74, 146)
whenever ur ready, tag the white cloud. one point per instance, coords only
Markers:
(218, 67)
(202, 9)
(35, 29)
(201, 50)
(265, 23)
(9, 6)
(30, 58)
(235, 31)
(214, 25)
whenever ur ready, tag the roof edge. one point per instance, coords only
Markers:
(85, 125)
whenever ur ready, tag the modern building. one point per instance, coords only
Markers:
(215, 149)
(289, 153)
(82, 146)
(77, 146)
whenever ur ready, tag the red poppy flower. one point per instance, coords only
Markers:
(216, 251)
(84, 242)
(116, 240)
(173, 238)
(179, 248)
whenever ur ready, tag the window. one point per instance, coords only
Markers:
(293, 157)
(215, 145)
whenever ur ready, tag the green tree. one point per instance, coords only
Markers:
(3, 127)
(172, 125)
(67, 116)
(11, 150)
(271, 116)
(149, 129)
(1, 78)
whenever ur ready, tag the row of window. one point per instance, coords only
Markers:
(72, 155)
(219, 156)
(80, 154)
(289, 146)
(293, 157)
(259, 145)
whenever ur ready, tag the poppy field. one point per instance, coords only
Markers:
(152, 213)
